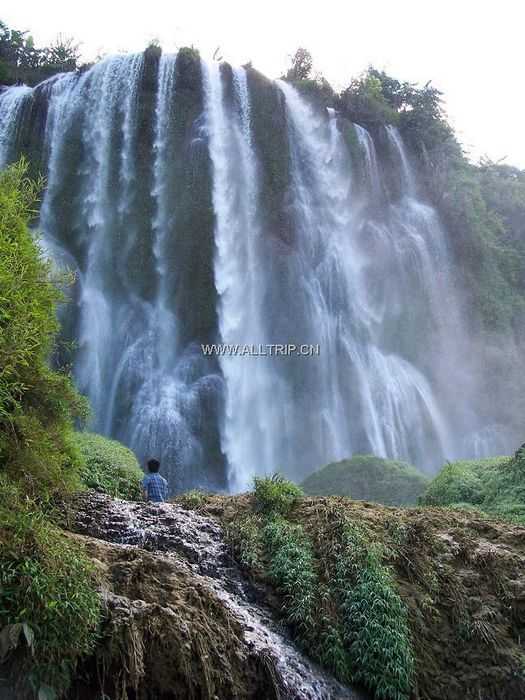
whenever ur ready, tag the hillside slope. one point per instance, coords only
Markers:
(368, 478)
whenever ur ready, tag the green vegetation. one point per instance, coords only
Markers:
(190, 53)
(363, 101)
(49, 608)
(22, 61)
(108, 466)
(338, 594)
(37, 405)
(368, 478)
(490, 252)
(375, 620)
(291, 569)
(275, 494)
(495, 486)
(192, 499)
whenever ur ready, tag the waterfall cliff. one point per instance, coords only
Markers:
(201, 204)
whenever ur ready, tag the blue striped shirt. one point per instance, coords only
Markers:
(156, 487)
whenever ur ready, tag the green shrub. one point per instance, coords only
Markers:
(338, 597)
(368, 478)
(459, 482)
(495, 486)
(109, 466)
(291, 569)
(244, 534)
(192, 499)
(49, 608)
(307, 602)
(276, 494)
(37, 405)
(189, 52)
(505, 489)
(374, 618)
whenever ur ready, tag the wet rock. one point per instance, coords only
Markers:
(181, 621)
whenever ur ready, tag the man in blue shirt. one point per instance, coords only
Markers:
(154, 485)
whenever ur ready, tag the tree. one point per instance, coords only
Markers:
(301, 68)
(64, 53)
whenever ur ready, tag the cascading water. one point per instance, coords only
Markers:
(386, 394)
(12, 103)
(200, 204)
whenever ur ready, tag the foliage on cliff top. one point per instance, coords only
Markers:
(109, 466)
(495, 485)
(22, 61)
(275, 494)
(368, 478)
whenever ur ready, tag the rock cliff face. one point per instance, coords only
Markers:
(200, 203)
(181, 621)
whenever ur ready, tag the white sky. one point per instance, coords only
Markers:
(471, 50)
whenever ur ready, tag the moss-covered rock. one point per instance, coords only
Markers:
(495, 485)
(109, 466)
(454, 578)
(368, 478)
(270, 138)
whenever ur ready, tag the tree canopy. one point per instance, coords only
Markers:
(22, 61)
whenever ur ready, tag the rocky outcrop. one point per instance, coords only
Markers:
(181, 621)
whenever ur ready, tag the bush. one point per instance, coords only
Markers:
(505, 490)
(374, 618)
(192, 499)
(368, 478)
(244, 535)
(49, 608)
(275, 494)
(37, 405)
(459, 482)
(109, 466)
(495, 486)
(338, 597)
(291, 568)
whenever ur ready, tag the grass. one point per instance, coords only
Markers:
(374, 618)
(49, 608)
(108, 466)
(495, 486)
(338, 597)
(368, 478)
(275, 494)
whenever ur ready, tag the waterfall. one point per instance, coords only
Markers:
(184, 225)
(371, 168)
(12, 102)
(388, 408)
(251, 385)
